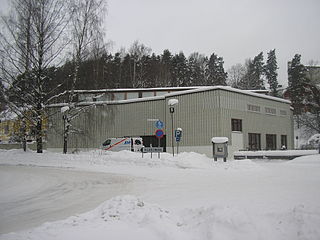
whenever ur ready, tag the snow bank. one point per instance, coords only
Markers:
(125, 217)
(313, 159)
(96, 160)
(129, 217)
(196, 198)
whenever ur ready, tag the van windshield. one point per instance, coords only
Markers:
(107, 142)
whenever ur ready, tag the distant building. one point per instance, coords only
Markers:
(250, 121)
(314, 74)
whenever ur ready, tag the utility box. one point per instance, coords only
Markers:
(220, 148)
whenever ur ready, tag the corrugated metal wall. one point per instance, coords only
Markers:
(202, 115)
(234, 105)
(208, 114)
(197, 115)
(104, 121)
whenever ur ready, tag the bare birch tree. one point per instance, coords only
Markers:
(31, 43)
(86, 34)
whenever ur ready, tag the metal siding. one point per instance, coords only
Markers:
(196, 114)
(234, 105)
(104, 121)
(201, 115)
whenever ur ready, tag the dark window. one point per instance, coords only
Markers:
(284, 141)
(254, 141)
(137, 142)
(140, 94)
(271, 140)
(107, 142)
(236, 125)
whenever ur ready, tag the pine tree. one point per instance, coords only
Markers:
(258, 69)
(179, 70)
(252, 80)
(166, 64)
(271, 72)
(215, 71)
(297, 83)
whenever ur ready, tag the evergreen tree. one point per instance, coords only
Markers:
(258, 70)
(126, 81)
(166, 65)
(179, 70)
(215, 71)
(271, 72)
(297, 83)
(252, 80)
(197, 64)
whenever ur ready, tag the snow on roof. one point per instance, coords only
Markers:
(219, 139)
(7, 115)
(230, 89)
(138, 89)
(173, 101)
(178, 93)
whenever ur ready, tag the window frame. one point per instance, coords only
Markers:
(271, 141)
(284, 141)
(257, 141)
(236, 125)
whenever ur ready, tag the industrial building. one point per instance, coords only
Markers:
(251, 121)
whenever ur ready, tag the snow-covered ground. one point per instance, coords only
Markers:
(185, 197)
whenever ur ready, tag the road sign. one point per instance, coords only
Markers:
(159, 124)
(152, 149)
(178, 135)
(159, 133)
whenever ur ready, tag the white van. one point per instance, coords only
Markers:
(119, 144)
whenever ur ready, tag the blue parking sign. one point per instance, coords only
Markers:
(178, 135)
(159, 124)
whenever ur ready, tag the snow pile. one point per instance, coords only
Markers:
(314, 140)
(93, 159)
(188, 196)
(129, 217)
(306, 160)
(125, 217)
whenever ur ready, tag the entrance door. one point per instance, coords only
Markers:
(237, 141)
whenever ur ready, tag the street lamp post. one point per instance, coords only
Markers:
(171, 109)
(172, 103)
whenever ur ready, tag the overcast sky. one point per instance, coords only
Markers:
(234, 29)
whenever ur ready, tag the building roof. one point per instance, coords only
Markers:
(190, 90)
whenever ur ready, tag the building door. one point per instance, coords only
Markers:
(254, 141)
(271, 141)
(237, 141)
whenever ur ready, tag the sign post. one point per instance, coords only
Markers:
(159, 134)
(178, 135)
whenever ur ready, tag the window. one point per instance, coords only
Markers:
(236, 125)
(284, 141)
(253, 108)
(254, 141)
(271, 140)
(107, 142)
(6, 128)
(283, 112)
(272, 111)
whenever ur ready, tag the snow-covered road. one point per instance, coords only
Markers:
(186, 197)
(33, 195)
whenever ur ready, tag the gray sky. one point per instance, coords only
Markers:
(233, 29)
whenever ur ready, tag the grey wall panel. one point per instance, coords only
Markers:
(104, 121)
(202, 115)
